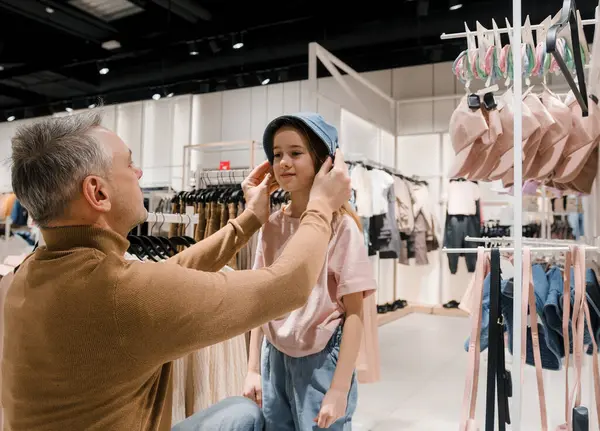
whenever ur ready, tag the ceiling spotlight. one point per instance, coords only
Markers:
(455, 5)
(1, 68)
(11, 118)
(156, 96)
(69, 109)
(237, 42)
(102, 68)
(263, 80)
(92, 106)
(170, 94)
(49, 10)
(193, 48)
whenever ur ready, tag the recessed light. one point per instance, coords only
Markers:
(49, 10)
(170, 94)
(1, 68)
(69, 109)
(104, 70)
(238, 45)
(92, 106)
(456, 6)
(266, 81)
(11, 118)
(156, 96)
(111, 44)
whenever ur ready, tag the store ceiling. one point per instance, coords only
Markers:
(52, 52)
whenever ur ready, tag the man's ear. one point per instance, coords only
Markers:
(96, 193)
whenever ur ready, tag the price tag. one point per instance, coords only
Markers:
(224, 165)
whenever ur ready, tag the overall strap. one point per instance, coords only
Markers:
(496, 369)
(528, 303)
(472, 379)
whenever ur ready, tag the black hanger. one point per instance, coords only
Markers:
(139, 244)
(568, 16)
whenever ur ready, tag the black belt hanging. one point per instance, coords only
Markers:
(496, 365)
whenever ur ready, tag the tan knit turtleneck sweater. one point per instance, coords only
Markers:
(89, 336)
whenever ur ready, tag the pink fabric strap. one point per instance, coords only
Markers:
(528, 301)
(472, 379)
(580, 265)
(565, 327)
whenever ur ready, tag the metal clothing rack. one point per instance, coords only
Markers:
(517, 238)
(189, 219)
(225, 177)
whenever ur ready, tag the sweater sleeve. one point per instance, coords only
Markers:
(163, 311)
(213, 253)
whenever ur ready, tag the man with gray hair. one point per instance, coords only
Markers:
(89, 336)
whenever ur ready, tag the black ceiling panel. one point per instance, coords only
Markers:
(51, 51)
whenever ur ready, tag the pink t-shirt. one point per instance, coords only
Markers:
(346, 270)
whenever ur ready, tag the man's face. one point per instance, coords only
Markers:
(127, 200)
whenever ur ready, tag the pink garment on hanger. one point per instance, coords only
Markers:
(505, 142)
(553, 142)
(582, 141)
(467, 126)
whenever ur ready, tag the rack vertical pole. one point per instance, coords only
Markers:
(518, 214)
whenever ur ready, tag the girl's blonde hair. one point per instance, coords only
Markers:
(319, 153)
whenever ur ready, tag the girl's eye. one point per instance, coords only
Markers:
(296, 154)
(276, 155)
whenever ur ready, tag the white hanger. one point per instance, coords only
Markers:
(471, 46)
(582, 39)
(527, 39)
(594, 73)
(485, 41)
(540, 34)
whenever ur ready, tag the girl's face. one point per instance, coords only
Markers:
(293, 163)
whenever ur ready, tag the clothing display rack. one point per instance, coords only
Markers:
(568, 15)
(245, 145)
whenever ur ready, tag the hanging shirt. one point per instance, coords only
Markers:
(405, 218)
(462, 197)
(380, 184)
(361, 184)
(346, 270)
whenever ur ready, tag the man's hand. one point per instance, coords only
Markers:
(257, 188)
(333, 406)
(332, 185)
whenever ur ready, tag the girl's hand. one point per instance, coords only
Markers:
(253, 388)
(333, 407)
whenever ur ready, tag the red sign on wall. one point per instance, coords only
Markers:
(224, 165)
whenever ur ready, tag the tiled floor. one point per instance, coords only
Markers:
(423, 371)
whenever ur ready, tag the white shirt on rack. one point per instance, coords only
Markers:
(380, 183)
(462, 197)
(361, 183)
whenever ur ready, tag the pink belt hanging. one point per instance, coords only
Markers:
(581, 315)
(467, 421)
(528, 301)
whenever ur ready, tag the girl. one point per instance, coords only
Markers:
(305, 378)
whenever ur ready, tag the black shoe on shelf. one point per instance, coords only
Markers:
(382, 309)
(451, 304)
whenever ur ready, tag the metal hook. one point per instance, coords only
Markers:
(189, 221)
